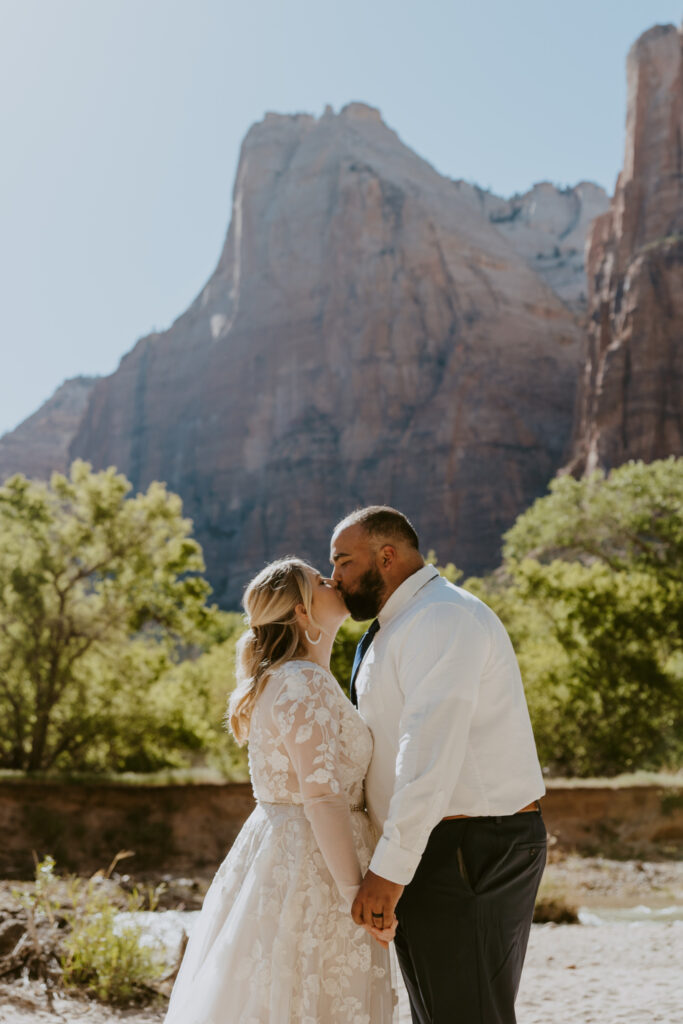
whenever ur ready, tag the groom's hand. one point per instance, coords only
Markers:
(375, 902)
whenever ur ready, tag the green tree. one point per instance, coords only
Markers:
(344, 650)
(100, 593)
(603, 666)
(449, 571)
(591, 590)
(627, 519)
(194, 695)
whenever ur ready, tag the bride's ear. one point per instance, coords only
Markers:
(301, 613)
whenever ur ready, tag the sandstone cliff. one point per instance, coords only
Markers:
(40, 444)
(631, 403)
(548, 227)
(367, 336)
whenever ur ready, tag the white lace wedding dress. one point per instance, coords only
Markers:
(274, 943)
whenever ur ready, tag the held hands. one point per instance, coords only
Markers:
(386, 935)
(374, 907)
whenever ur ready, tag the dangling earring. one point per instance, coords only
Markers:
(313, 643)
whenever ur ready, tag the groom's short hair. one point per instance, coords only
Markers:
(382, 521)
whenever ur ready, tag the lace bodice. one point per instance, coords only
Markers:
(306, 738)
(308, 746)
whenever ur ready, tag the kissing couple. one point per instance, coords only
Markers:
(408, 814)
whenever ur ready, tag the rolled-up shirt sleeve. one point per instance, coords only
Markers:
(439, 666)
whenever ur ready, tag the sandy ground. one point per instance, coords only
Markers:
(574, 974)
(609, 974)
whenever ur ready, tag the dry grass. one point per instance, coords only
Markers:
(557, 903)
(662, 779)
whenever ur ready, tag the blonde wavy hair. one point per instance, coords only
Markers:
(273, 637)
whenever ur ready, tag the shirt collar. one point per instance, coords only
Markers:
(407, 590)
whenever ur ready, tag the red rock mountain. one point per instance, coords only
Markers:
(367, 336)
(548, 227)
(631, 404)
(41, 443)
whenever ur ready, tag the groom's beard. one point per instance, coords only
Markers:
(366, 600)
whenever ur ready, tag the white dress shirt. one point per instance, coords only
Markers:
(441, 691)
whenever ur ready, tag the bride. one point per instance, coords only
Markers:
(275, 942)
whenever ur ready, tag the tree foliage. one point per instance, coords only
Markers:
(591, 590)
(112, 659)
(101, 594)
(628, 519)
(195, 693)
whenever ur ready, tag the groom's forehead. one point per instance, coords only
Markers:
(346, 541)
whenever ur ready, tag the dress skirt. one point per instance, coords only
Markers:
(274, 944)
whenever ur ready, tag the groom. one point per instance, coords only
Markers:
(454, 781)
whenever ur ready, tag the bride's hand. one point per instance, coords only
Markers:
(384, 935)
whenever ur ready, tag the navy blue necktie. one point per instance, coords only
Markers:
(362, 647)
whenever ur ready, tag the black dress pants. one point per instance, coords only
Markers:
(464, 919)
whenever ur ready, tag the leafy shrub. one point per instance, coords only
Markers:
(113, 963)
(555, 904)
(75, 924)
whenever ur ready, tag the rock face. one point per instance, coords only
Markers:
(40, 444)
(631, 404)
(548, 227)
(367, 336)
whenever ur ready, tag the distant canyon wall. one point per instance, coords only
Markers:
(376, 332)
(369, 335)
(41, 443)
(631, 402)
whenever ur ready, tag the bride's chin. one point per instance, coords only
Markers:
(340, 622)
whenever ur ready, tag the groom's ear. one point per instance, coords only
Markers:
(387, 556)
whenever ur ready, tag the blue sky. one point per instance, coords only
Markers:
(121, 121)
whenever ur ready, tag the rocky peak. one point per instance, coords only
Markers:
(367, 336)
(632, 388)
(362, 112)
(548, 226)
(40, 444)
(651, 182)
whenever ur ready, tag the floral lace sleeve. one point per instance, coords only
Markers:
(309, 726)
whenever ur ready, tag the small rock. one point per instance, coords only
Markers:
(11, 931)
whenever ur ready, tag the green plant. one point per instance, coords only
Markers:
(344, 650)
(591, 591)
(41, 905)
(110, 960)
(75, 924)
(101, 593)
